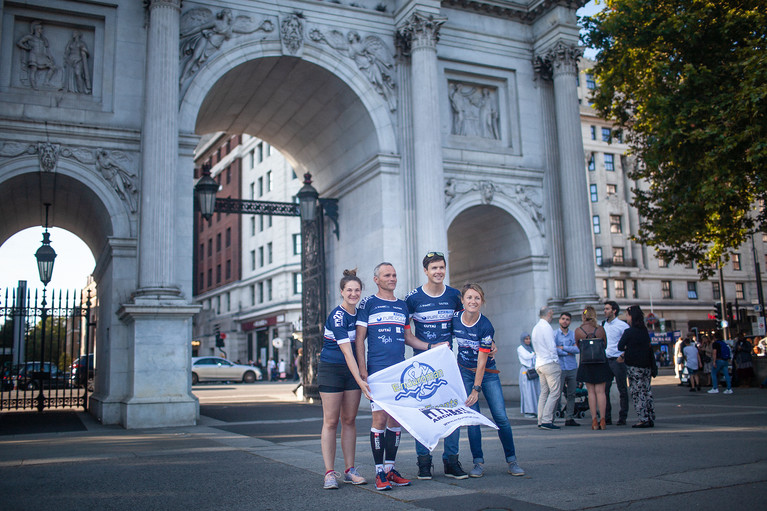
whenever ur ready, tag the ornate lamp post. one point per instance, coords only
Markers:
(312, 209)
(45, 256)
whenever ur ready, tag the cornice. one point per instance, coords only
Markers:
(526, 13)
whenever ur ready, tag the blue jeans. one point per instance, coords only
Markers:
(721, 365)
(491, 388)
(451, 445)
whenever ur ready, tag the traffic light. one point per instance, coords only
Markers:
(718, 312)
(220, 340)
(730, 318)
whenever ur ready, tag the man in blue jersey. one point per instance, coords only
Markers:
(431, 307)
(383, 320)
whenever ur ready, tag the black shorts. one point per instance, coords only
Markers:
(335, 378)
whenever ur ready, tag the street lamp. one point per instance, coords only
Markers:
(308, 199)
(45, 256)
(205, 191)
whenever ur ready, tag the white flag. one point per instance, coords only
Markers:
(426, 395)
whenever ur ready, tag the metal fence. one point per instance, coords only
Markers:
(45, 350)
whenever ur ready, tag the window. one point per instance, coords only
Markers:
(595, 223)
(764, 237)
(260, 152)
(228, 269)
(590, 83)
(269, 290)
(252, 259)
(617, 255)
(692, 290)
(252, 191)
(228, 174)
(620, 288)
(268, 150)
(740, 293)
(218, 273)
(253, 294)
(634, 289)
(593, 132)
(252, 226)
(261, 223)
(609, 162)
(619, 136)
(605, 288)
(210, 247)
(269, 221)
(210, 277)
(615, 224)
(662, 263)
(736, 261)
(218, 305)
(598, 252)
(260, 186)
(228, 236)
(202, 250)
(689, 265)
(592, 164)
(593, 192)
(297, 283)
(252, 158)
(715, 291)
(269, 253)
(606, 135)
(665, 288)
(297, 244)
(228, 302)
(260, 256)
(269, 181)
(202, 280)
(612, 189)
(260, 292)
(218, 242)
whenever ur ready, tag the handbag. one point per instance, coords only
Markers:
(532, 374)
(593, 350)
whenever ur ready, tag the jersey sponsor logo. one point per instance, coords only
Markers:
(385, 339)
(338, 318)
(388, 317)
(468, 343)
(434, 316)
(419, 381)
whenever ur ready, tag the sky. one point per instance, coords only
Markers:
(74, 260)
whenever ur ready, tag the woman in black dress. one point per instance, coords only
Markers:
(640, 366)
(595, 376)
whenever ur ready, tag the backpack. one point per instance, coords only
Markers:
(724, 349)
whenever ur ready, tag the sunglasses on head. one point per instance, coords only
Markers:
(432, 254)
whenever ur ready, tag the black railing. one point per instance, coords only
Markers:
(618, 261)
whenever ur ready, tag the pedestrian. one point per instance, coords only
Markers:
(614, 328)
(640, 366)
(299, 361)
(282, 368)
(566, 350)
(474, 335)
(271, 367)
(340, 384)
(383, 320)
(597, 373)
(529, 381)
(678, 360)
(692, 362)
(705, 350)
(547, 366)
(720, 359)
(431, 307)
(743, 360)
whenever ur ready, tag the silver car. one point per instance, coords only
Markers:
(220, 369)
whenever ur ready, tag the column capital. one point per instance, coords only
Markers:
(419, 31)
(173, 4)
(562, 58)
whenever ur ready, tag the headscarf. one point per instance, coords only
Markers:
(528, 347)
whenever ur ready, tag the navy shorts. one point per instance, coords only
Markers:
(335, 378)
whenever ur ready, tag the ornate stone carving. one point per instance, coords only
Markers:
(48, 154)
(122, 181)
(202, 34)
(419, 30)
(371, 56)
(475, 111)
(292, 33)
(526, 196)
(561, 58)
(38, 68)
(76, 70)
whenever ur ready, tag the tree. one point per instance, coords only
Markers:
(686, 81)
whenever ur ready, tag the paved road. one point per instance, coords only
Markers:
(258, 448)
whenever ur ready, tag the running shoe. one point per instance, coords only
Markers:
(713, 391)
(381, 482)
(396, 479)
(331, 480)
(351, 476)
(477, 471)
(515, 469)
(728, 391)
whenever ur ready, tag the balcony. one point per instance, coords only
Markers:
(618, 261)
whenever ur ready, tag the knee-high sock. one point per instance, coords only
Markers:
(391, 444)
(377, 442)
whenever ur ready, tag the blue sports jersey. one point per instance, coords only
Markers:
(340, 328)
(473, 339)
(385, 321)
(433, 315)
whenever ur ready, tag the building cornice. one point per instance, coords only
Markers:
(527, 13)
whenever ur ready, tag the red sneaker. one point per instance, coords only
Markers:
(396, 479)
(381, 482)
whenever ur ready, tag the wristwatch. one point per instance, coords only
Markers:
(477, 388)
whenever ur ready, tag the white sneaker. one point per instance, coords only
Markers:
(714, 391)
(728, 391)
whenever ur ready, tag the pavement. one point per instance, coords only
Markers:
(262, 451)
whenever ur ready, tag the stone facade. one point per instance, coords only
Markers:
(448, 126)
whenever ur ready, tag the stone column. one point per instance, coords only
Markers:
(579, 250)
(418, 38)
(159, 151)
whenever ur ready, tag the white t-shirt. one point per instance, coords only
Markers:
(691, 357)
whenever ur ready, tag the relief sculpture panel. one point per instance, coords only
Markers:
(475, 110)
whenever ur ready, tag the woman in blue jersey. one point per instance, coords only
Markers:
(340, 383)
(474, 333)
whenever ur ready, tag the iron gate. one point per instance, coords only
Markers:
(46, 352)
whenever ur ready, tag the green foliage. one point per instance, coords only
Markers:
(687, 82)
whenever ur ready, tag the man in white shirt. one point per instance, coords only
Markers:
(614, 329)
(547, 366)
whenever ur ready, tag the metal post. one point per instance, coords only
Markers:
(759, 291)
(722, 300)
(312, 299)
(87, 350)
(40, 395)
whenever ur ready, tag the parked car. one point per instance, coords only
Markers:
(220, 369)
(78, 375)
(30, 376)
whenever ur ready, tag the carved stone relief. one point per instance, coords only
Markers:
(292, 33)
(527, 197)
(475, 110)
(54, 58)
(116, 167)
(203, 33)
(371, 56)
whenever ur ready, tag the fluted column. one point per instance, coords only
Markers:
(159, 150)
(579, 260)
(418, 38)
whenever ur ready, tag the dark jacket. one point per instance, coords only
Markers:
(635, 343)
